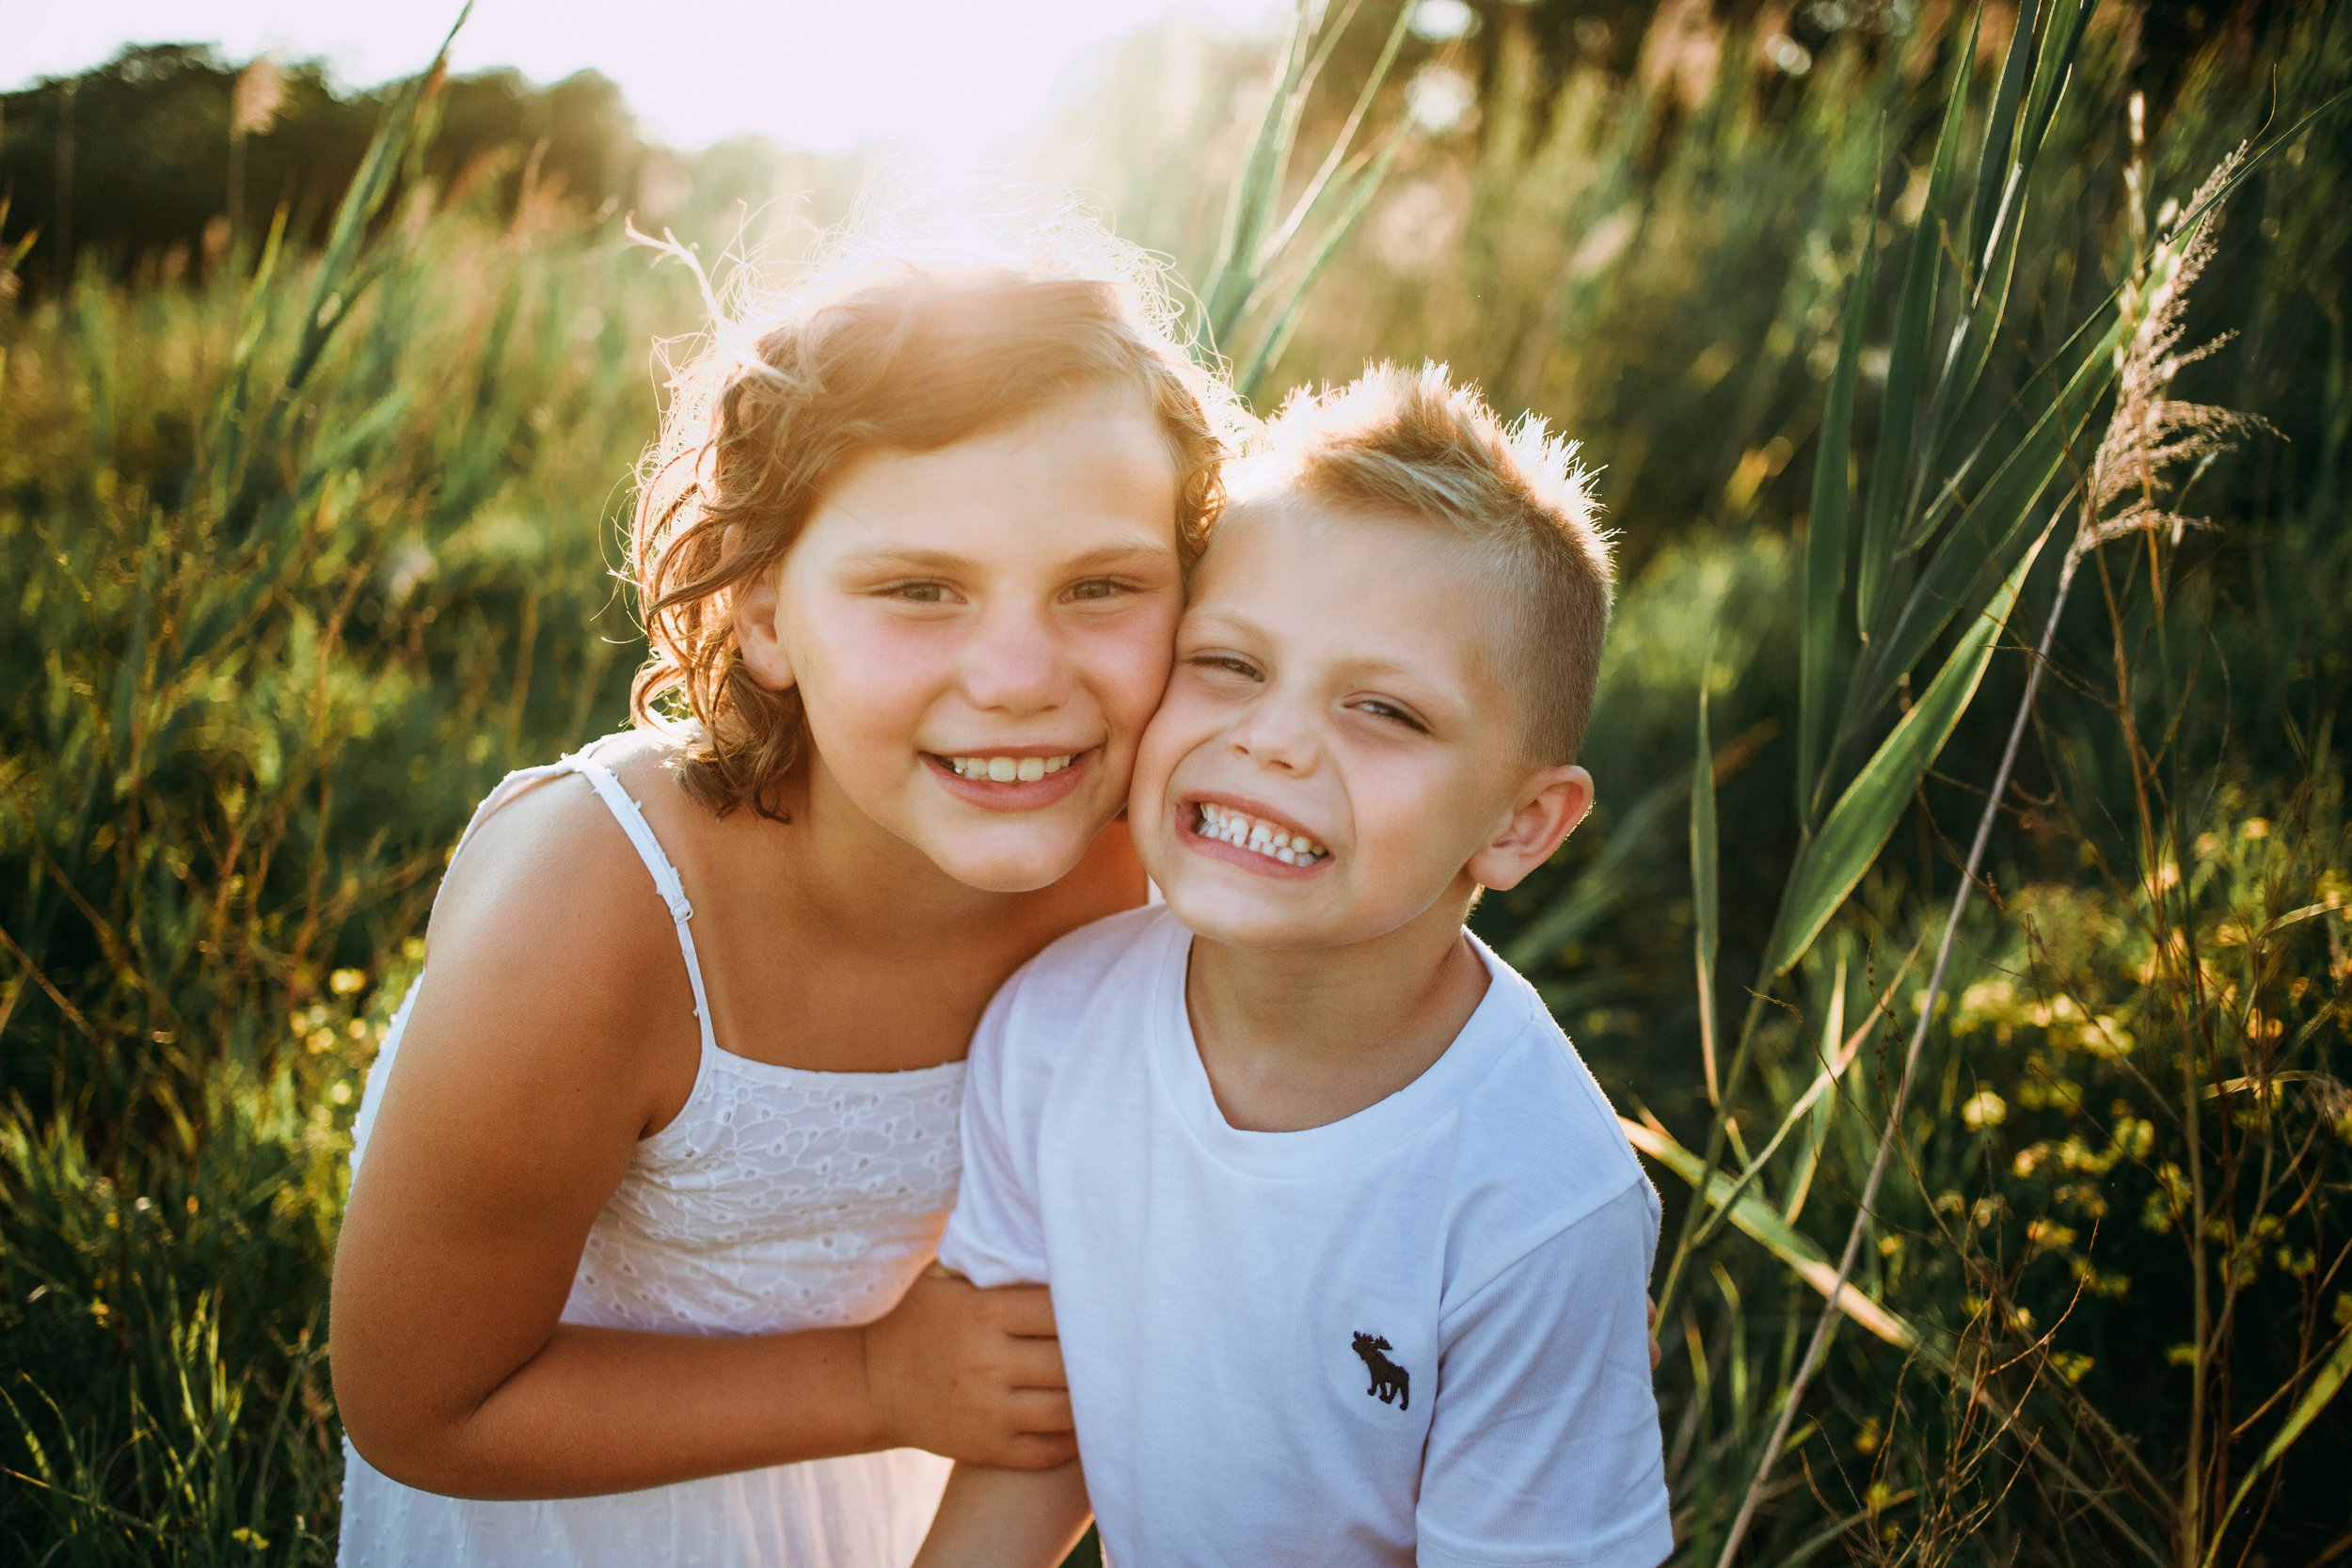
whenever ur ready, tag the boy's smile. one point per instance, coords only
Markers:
(1335, 746)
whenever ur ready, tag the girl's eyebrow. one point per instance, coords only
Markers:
(915, 559)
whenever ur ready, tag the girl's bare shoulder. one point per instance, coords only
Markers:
(551, 904)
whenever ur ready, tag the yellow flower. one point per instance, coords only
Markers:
(1984, 1109)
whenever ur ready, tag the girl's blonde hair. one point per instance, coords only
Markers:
(898, 351)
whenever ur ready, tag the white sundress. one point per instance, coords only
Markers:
(779, 1200)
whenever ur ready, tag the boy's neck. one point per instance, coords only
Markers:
(1299, 1037)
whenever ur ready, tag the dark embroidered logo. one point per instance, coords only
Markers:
(1393, 1383)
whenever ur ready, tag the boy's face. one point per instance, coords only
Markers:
(1334, 683)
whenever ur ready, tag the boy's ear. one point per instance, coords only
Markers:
(1549, 807)
(758, 626)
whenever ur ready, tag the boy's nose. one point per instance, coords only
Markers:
(1274, 735)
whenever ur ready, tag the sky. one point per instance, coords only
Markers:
(825, 75)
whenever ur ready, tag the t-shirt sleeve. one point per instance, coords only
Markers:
(993, 1236)
(1544, 1445)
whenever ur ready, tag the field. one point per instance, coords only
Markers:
(1965, 931)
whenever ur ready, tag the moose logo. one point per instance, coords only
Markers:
(1393, 1383)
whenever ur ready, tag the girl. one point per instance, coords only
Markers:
(638, 1219)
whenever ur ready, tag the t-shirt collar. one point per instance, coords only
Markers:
(1498, 1022)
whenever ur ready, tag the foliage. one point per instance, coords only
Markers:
(301, 557)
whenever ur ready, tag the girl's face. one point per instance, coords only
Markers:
(979, 634)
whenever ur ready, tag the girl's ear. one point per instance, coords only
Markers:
(1551, 804)
(758, 629)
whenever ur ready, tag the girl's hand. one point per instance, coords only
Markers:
(973, 1374)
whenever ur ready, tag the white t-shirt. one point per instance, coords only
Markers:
(1415, 1335)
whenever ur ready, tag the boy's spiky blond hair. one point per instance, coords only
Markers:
(1420, 446)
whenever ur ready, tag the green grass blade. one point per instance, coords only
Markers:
(1760, 1223)
(1833, 861)
(2332, 1375)
(1907, 361)
(2062, 36)
(1704, 886)
(1270, 253)
(1286, 320)
(1825, 549)
(2000, 131)
(333, 296)
(1248, 210)
(1994, 533)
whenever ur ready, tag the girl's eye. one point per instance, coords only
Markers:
(1095, 590)
(1380, 709)
(919, 592)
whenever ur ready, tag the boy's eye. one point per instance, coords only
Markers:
(1232, 664)
(1380, 708)
(918, 593)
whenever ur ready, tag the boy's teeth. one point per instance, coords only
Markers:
(1246, 831)
(1008, 769)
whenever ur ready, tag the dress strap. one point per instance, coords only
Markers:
(631, 817)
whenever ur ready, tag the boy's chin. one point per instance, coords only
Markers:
(1235, 918)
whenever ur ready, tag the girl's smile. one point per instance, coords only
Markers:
(1014, 778)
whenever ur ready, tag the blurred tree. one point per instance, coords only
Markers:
(139, 157)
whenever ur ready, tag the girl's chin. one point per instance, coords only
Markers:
(1002, 861)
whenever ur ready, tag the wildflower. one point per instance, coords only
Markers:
(1869, 1437)
(1984, 1109)
(2071, 1365)
(2181, 1355)
(2049, 1236)
(346, 982)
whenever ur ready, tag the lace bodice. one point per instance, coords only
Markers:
(778, 1198)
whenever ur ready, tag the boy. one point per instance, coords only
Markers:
(1348, 1256)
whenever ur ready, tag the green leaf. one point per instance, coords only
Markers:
(1251, 204)
(2000, 129)
(1758, 1221)
(2332, 1375)
(1825, 548)
(1830, 864)
(1906, 364)
(2062, 36)
(1702, 885)
(1277, 333)
(1992, 535)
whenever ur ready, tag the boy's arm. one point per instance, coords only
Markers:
(992, 1518)
(1543, 1440)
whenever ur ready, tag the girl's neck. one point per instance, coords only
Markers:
(1293, 1038)
(853, 878)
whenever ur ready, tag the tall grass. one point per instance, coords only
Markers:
(1967, 952)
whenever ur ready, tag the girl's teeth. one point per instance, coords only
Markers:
(1008, 769)
(1247, 832)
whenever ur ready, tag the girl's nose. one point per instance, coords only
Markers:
(1015, 664)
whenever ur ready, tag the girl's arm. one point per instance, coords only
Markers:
(553, 1029)
(995, 1518)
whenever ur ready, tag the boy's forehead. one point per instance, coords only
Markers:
(1392, 585)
